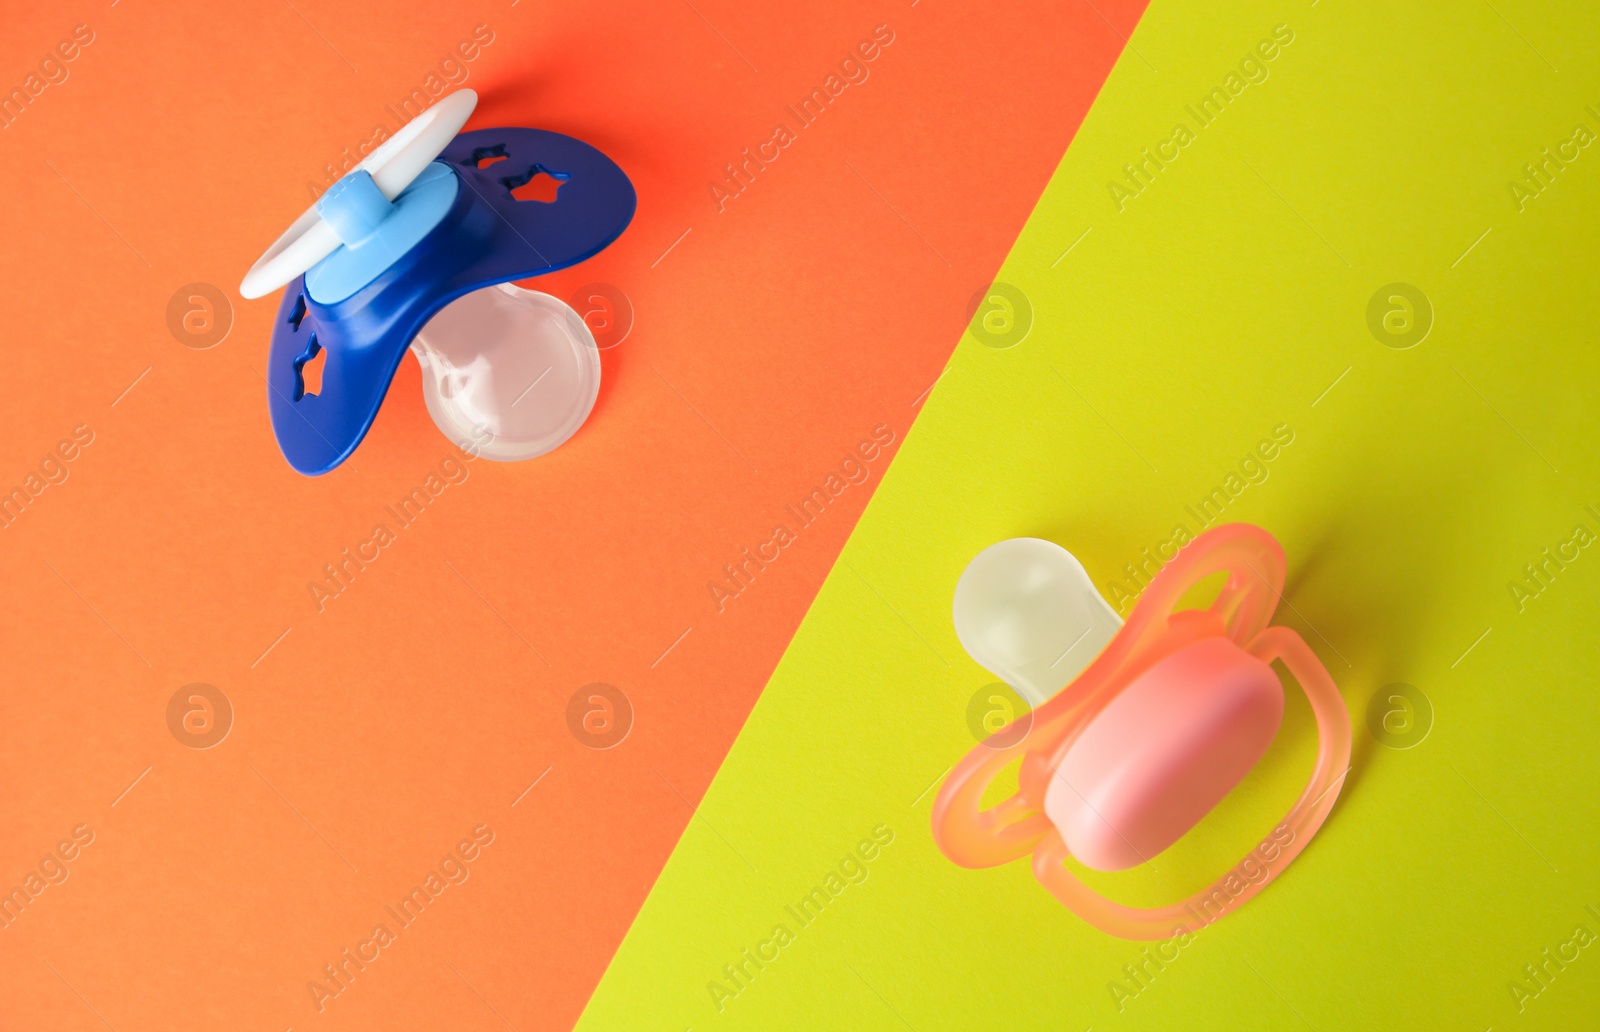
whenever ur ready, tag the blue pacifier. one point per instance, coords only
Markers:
(415, 248)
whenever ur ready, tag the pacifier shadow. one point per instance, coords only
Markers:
(643, 148)
(505, 102)
(611, 363)
(403, 418)
(1311, 559)
(514, 102)
(1379, 569)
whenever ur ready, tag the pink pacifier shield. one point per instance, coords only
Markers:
(1163, 753)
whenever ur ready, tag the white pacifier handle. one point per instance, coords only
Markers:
(393, 166)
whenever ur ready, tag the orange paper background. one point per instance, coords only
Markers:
(428, 697)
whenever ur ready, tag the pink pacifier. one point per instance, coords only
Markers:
(1124, 754)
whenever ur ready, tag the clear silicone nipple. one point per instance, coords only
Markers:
(509, 372)
(1027, 612)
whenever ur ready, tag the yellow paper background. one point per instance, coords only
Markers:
(1229, 297)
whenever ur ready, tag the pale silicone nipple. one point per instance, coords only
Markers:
(1027, 612)
(508, 372)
